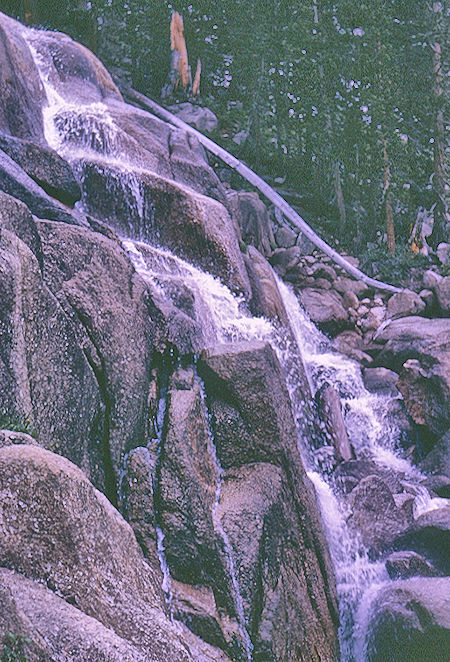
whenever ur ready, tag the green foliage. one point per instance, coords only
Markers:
(13, 648)
(445, 269)
(392, 268)
(15, 424)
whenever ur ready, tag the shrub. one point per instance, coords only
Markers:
(13, 648)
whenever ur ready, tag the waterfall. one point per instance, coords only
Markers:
(79, 131)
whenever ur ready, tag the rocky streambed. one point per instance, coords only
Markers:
(190, 470)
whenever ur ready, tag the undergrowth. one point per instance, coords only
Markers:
(13, 648)
(392, 268)
(15, 424)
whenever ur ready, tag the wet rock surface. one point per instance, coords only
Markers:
(401, 565)
(16, 182)
(45, 167)
(264, 490)
(21, 91)
(410, 621)
(375, 513)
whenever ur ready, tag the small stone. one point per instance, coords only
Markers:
(427, 297)
(343, 284)
(350, 300)
(320, 270)
(374, 319)
(285, 256)
(443, 253)
(240, 137)
(405, 303)
(430, 279)
(442, 290)
(285, 237)
(401, 565)
(305, 245)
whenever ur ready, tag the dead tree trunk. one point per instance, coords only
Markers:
(340, 198)
(180, 72)
(390, 232)
(439, 177)
(196, 83)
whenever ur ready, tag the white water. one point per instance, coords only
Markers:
(87, 130)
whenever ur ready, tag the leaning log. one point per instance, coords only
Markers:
(291, 218)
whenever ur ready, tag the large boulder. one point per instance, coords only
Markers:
(380, 380)
(188, 477)
(410, 621)
(375, 513)
(107, 304)
(45, 167)
(137, 502)
(267, 513)
(189, 165)
(21, 91)
(45, 376)
(254, 220)
(73, 70)
(16, 182)
(401, 565)
(325, 308)
(16, 217)
(405, 303)
(443, 295)
(202, 119)
(429, 535)
(419, 349)
(266, 299)
(40, 625)
(10, 437)
(437, 461)
(85, 553)
(160, 211)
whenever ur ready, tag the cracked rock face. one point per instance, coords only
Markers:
(88, 558)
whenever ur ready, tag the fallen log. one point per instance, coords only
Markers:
(292, 218)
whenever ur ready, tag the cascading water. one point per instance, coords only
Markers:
(87, 131)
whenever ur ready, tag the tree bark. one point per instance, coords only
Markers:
(196, 83)
(340, 198)
(335, 165)
(387, 201)
(439, 177)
